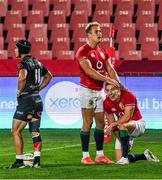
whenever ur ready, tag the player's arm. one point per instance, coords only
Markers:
(111, 71)
(91, 72)
(21, 81)
(127, 116)
(46, 79)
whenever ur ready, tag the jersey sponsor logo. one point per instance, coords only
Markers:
(99, 65)
(62, 103)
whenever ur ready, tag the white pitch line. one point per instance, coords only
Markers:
(50, 149)
(63, 147)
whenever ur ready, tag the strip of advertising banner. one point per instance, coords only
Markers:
(62, 103)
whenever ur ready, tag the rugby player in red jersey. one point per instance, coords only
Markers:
(129, 123)
(95, 69)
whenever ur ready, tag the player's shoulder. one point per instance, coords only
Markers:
(106, 101)
(127, 93)
(84, 49)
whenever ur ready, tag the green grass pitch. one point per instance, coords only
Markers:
(61, 154)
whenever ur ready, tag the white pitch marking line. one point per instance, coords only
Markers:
(49, 149)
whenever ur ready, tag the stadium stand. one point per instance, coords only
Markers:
(3, 54)
(56, 17)
(64, 5)
(66, 19)
(41, 5)
(3, 8)
(12, 17)
(66, 55)
(20, 5)
(86, 5)
(1, 43)
(16, 30)
(34, 17)
(38, 31)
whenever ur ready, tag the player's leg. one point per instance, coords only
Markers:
(17, 127)
(99, 130)
(87, 115)
(124, 140)
(87, 110)
(34, 126)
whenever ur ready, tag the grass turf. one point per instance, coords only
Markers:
(61, 154)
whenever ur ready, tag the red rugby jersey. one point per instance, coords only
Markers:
(97, 58)
(127, 99)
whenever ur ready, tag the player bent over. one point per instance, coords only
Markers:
(30, 106)
(94, 67)
(129, 124)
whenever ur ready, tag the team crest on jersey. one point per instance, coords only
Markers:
(113, 109)
(92, 55)
(102, 55)
(121, 105)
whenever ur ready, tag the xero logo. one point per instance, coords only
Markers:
(62, 103)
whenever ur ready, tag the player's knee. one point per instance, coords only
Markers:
(15, 133)
(122, 127)
(87, 126)
(36, 139)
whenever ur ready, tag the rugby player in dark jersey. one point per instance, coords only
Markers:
(30, 106)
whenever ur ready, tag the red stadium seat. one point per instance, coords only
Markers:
(105, 43)
(41, 5)
(38, 30)
(160, 8)
(104, 5)
(81, 41)
(60, 44)
(3, 54)
(1, 30)
(131, 55)
(150, 44)
(155, 55)
(122, 17)
(3, 8)
(12, 17)
(11, 46)
(78, 16)
(1, 43)
(39, 44)
(102, 16)
(43, 54)
(160, 23)
(17, 30)
(126, 30)
(60, 30)
(34, 17)
(56, 17)
(86, 5)
(65, 55)
(146, 5)
(78, 33)
(126, 44)
(64, 5)
(148, 30)
(125, 5)
(144, 17)
(20, 5)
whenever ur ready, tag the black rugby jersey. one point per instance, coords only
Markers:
(35, 70)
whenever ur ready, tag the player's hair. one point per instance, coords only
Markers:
(24, 46)
(90, 25)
